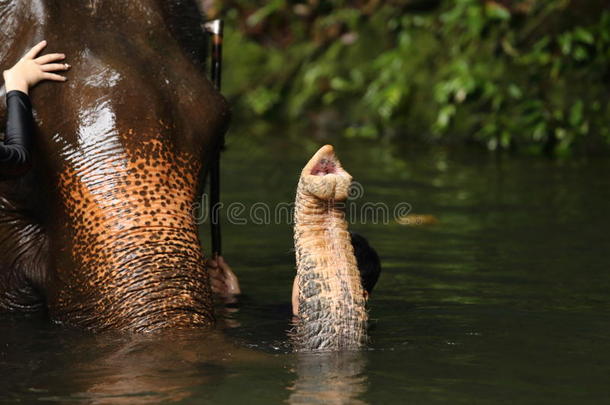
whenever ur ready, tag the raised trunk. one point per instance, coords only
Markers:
(332, 313)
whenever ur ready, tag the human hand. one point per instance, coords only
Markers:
(31, 69)
(222, 278)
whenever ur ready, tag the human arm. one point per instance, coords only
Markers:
(14, 153)
(26, 73)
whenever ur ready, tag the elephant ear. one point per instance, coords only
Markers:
(184, 19)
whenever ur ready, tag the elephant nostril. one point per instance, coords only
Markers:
(324, 167)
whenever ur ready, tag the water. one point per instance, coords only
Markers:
(505, 300)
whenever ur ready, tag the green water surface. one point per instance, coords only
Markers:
(505, 300)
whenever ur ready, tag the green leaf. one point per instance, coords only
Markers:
(539, 132)
(565, 43)
(264, 12)
(444, 116)
(365, 131)
(576, 113)
(338, 83)
(583, 35)
(505, 139)
(261, 100)
(496, 11)
(580, 53)
(515, 91)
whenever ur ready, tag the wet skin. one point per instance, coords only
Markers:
(100, 231)
(327, 291)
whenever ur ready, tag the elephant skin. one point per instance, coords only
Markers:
(331, 305)
(100, 233)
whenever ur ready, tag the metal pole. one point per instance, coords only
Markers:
(215, 28)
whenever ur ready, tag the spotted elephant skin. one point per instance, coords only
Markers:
(100, 232)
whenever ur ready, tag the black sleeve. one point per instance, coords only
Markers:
(14, 153)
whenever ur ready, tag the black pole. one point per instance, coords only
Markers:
(215, 27)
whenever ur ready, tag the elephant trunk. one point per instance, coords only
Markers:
(150, 278)
(130, 257)
(332, 313)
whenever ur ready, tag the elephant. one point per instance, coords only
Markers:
(99, 233)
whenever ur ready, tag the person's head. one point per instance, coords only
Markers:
(368, 261)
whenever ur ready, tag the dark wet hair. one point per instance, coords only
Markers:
(368, 261)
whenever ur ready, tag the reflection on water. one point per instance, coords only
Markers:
(329, 378)
(145, 367)
(109, 369)
(504, 300)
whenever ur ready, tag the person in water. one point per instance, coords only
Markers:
(29, 71)
(225, 283)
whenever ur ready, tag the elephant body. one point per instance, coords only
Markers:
(100, 231)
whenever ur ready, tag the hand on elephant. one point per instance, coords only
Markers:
(31, 69)
(224, 281)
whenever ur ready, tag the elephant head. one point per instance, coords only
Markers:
(119, 156)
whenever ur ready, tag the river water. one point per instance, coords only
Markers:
(504, 300)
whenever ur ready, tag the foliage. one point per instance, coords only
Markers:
(530, 75)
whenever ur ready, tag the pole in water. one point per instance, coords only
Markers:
(215, 28)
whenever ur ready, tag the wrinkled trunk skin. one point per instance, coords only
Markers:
(105, 213)
(332, 313)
